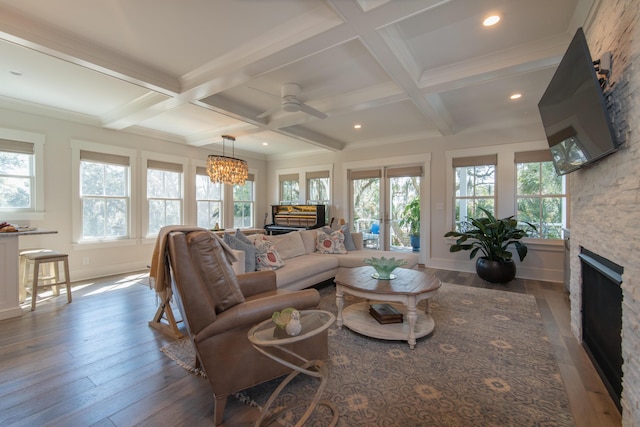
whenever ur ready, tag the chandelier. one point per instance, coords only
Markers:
(227, 170)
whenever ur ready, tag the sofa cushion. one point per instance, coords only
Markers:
(300, 269)
(249, 250)
(309, 240)
(211, 264)
(267, 257)
(330, 243)
(288, 245)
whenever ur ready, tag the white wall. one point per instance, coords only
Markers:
(109, 258)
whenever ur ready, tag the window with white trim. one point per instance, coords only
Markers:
(289, 188)
(318, 187)
(105, 195)
(17, 176)
(475, 182)
(209, 197)
(243, 203)
(164, 194)
(541, 195)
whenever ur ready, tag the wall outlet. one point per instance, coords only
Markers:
(85, 261)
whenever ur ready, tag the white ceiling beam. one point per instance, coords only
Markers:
(533, 56)
(25, 32)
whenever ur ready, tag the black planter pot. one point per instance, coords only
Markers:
(496, 271)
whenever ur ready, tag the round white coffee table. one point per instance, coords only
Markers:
(407, 289)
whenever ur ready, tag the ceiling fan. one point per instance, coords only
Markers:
(289, 93)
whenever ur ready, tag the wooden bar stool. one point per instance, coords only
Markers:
(44, 257)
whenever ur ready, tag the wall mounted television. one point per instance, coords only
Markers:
(573, 111)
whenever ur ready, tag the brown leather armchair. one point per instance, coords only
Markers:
(218, 308)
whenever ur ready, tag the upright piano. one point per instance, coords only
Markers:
(287, 218)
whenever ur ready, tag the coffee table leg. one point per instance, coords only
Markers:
(339, 304)
(412, 316)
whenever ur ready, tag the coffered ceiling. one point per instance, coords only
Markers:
(192, 70)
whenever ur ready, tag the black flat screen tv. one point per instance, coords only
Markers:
(573, 111)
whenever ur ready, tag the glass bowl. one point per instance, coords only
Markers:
(384, 266)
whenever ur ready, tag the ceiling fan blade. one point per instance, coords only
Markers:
(268, 112)
(310, 110)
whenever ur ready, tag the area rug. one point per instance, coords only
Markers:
(487, 363)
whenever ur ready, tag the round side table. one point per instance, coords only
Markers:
(270, 340)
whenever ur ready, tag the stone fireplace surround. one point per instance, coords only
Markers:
(605, 197)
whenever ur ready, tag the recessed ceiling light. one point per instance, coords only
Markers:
(265, 143)
(357, 126)
(491, 20)
(516, 96)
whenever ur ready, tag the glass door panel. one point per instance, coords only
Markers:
(366, 209)
(403, 190)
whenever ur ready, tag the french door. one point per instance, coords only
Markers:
(377, 198)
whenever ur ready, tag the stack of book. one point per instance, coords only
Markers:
(385, 313)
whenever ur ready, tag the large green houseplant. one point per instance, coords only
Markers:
(492, 237)
(410, 218)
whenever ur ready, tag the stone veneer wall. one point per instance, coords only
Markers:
(605, 197)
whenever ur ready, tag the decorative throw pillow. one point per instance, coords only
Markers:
(330, 243)
(348, 239)
(267, 257)
(240, 236)
(248, 249)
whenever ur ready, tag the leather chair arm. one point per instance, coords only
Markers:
(257, 282)
(254, 311)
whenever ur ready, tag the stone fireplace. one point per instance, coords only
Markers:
(605, 197)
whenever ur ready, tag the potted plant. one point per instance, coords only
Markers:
(410, 218)
(492, 237)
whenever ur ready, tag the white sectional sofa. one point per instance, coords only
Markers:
(304, 266)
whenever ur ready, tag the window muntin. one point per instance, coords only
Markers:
(105, 199)
(243, 204)
(209, 199)
(17, 176)
(164, 195)
(475, 188)
(541, 198)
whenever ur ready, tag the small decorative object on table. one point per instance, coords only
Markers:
(384, 267)
(289, 320)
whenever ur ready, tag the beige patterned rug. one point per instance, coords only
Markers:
(488, 363)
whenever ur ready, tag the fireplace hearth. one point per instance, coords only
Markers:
(602, 318)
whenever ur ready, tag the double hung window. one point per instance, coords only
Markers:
(318, 186)
(289, 188)
(475, 182)
(17, 176)
(209, 198)
(541, 195)
(105, 195)
(164, 194)
(243, 203)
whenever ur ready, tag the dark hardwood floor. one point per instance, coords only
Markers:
(96, 362)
